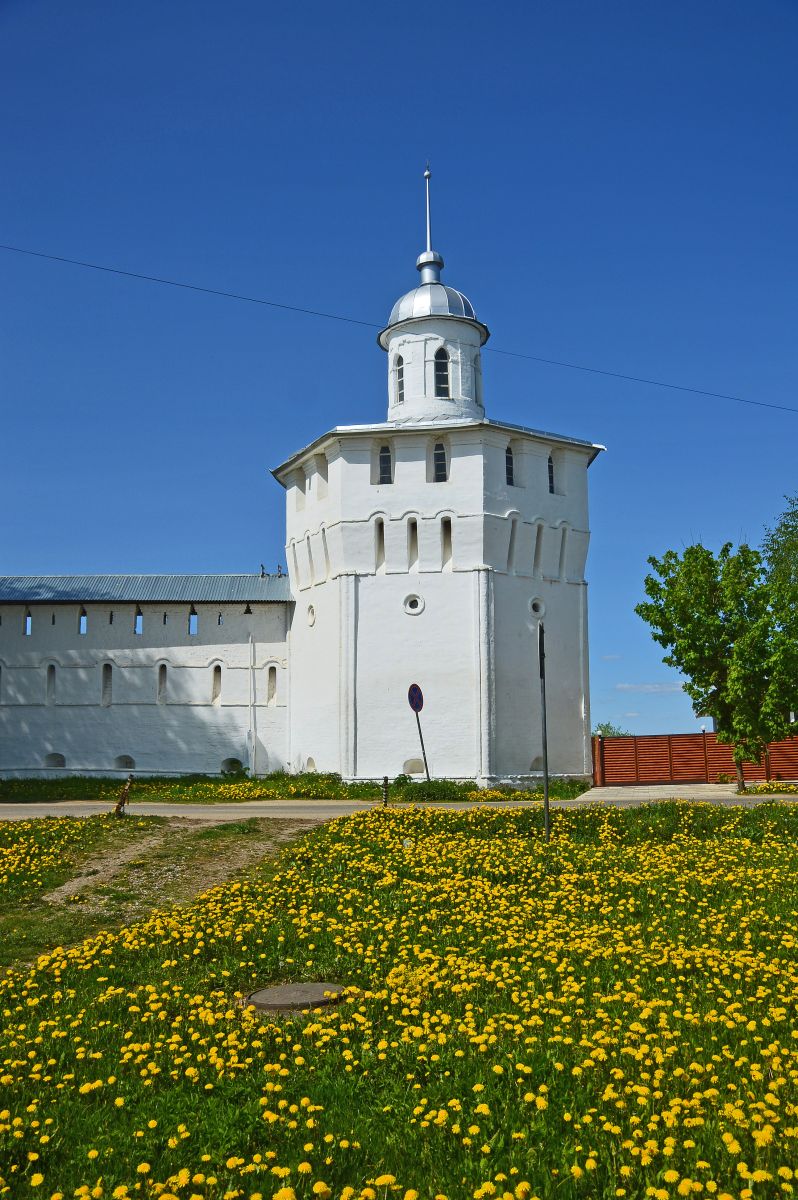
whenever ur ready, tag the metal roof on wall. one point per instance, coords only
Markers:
(141, 589)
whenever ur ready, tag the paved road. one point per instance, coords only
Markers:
(623, 797)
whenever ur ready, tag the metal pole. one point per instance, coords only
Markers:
(542, 661)
(423, 751)
(385, 791)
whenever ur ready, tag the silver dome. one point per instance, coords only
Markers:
(431, 300)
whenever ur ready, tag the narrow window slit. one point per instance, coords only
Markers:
(412, 544)
(379, 544)
(446, 543)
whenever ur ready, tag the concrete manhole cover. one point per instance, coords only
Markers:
(292, 997)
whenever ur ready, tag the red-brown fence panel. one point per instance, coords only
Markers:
(683, 758)
(784, 759)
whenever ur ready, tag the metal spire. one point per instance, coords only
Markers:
(430, 262)
(427, 175)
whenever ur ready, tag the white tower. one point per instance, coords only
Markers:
(425, 549)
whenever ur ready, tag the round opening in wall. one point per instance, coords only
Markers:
(310, 765)
(232, 766)
(124, 762)
(311, 615)
(413, 605)
(54, 760)
(537, 607)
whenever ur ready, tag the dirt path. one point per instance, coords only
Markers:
(112, 862)
(182, 857)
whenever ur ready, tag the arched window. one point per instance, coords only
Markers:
(193, 622)
(271, 686)
(385, 465)
(440, 471)
(27, 627)
(216, 685)
(400, 379)
(551, 474)
(161, 694)
(83, 622)
(442, 390)
(51, 684)
(509, 467)
(106, 694)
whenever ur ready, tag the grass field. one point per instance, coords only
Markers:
(63, 879)
(613, 1015)
(206, 789)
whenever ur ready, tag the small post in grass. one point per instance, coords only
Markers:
(124, 798)
(542, 661)
(385, 791)
(415, 698)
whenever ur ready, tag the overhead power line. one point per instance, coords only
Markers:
(314, 312)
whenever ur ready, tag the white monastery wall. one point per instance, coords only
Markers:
(169, 700)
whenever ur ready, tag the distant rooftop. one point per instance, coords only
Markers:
(140, 589)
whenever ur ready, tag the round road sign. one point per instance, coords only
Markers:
(415, 697)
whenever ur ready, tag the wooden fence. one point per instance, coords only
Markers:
(683, 758)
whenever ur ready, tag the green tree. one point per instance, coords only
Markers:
(781, 554)
(607, 729)
(714, 615)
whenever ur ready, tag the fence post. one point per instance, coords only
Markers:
(706, 754)
(637, 764)
(598, 761)
(767, 764)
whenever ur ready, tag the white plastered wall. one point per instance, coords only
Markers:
(184, 729)
(472, 644)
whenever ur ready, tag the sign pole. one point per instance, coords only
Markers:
(542, 661)
(415, 698)
(423, 751)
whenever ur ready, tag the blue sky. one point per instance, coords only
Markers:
(615, 184)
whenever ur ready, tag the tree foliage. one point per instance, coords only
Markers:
(714, 615)
(607, 729)
(781, 554)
